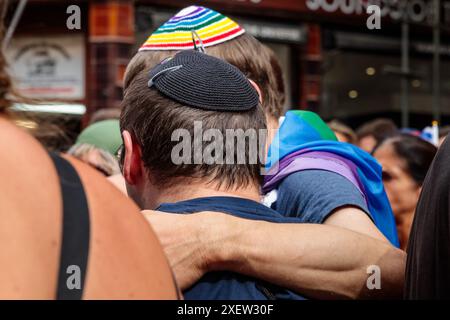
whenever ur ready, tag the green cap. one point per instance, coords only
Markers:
(103, 134)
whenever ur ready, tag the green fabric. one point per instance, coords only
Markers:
(317, 123)
(103, 134)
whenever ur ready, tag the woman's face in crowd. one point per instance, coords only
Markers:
(402, 191)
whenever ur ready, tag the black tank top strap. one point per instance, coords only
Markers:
(75, 232)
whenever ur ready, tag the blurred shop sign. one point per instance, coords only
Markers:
(274, 31)
(148, 19)
(429, 48)
(361, 41)
(416, 11)
(50, 67)
(69, 109)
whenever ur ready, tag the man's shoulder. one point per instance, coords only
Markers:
(314, 194)
(313, 180)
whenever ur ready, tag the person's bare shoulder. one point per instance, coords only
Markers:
(123, 245)
(30, 211)
(125, 259)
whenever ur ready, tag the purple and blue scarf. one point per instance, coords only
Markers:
(304, 142)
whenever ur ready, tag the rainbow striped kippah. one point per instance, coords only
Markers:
(176, 34)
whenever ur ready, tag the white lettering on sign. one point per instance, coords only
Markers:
(416, 10)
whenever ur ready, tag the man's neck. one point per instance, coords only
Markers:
(184, 192)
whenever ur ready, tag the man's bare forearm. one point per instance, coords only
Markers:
(317, 261)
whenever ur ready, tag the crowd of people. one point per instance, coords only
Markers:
(405, 159)
(158, 200)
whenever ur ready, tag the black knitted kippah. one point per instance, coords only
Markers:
(201, 81)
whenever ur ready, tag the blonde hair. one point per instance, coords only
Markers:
(107, 163)
(343, 129)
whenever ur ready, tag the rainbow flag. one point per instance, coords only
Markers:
(176, 34)
(304, 142)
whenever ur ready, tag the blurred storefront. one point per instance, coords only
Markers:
(332, 62)
(70, 72)
(288, 38)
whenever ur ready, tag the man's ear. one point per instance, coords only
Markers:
(257, 90)
(132, 169)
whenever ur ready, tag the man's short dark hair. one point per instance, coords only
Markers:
(257, 61)
(152, 118)
(380, 129)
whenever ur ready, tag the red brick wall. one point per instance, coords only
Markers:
(111, 36)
